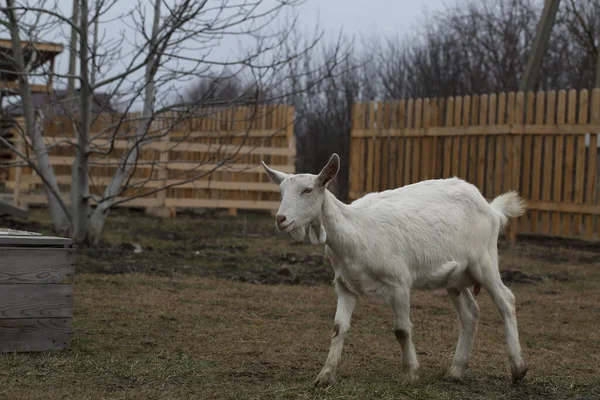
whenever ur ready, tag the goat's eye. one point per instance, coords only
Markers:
(307, 191)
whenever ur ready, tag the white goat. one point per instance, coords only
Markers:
(432, 234)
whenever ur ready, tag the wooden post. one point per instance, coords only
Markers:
(18, 171)
(540, 43)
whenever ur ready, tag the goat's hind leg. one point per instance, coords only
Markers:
(503, 298)
(345, 307)
(400, 301)
(468, 315)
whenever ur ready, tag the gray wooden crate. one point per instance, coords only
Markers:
(36, 291)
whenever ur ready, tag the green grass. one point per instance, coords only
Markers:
(171, 332)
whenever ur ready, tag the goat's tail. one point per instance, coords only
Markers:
(508, 205)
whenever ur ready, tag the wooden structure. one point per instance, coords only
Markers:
(36, 291)
(179, 153)
(45, 54)
(545, 145)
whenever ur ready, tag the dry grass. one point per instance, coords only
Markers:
(141, 336)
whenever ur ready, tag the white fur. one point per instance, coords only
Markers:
(432, 234)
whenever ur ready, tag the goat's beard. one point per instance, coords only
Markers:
(316, 233)
(298, 233)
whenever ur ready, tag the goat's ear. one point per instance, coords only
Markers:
(274, 175)
(330, 170)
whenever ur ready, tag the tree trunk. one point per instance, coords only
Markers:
(98, 218)
(80, 201)
(58, 209)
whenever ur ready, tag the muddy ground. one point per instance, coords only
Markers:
(216, 307)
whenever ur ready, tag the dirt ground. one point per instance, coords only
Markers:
(215, 307)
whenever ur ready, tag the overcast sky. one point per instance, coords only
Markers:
(353, 17)
(394, 18)
(389, 17)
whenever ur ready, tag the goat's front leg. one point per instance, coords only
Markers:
(345, 307)
(400, 300)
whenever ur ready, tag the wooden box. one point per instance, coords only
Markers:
(36, 291)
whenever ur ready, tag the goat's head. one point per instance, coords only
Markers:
(302, 197)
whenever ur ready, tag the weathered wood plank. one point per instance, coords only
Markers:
(36, 265)
(416, 151)
(427, 151)
(537, 161)
(362, 178)
(558, 162)
(548, 160)
(6, 240)
(592, 165)
(36, 301)
(580, 161)
(37, 334)
(568, 186)
(456, 150)
(463, 170)
(448, 140)
(525, 220)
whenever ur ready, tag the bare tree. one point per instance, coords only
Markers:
(161, 49)
(470, 47)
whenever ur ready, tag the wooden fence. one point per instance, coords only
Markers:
(179, 153)
(545, 145)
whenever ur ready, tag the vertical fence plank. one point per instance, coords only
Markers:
(363, 143)
(409, 142)
(537, 161)
(401, 146)
(437, 157)
(464, 139)
(456, 150)
(580, 160)
(448, 139)
(527, 150)
(378, 146)
(548, 166)
(394, 143)
(370, 147)
(500, 145)
(557, 219)
(416, 164)
(385, 148)
(492, 141)
(590, 196)
(481, 145)
(567, 229)
(513, 147)
(427, 143)
(354, 185)
(473, 141)
(508, 159)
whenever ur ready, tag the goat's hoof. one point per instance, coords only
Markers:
(456, 373)
(518, 372)
(411, 376)
(325, 378)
